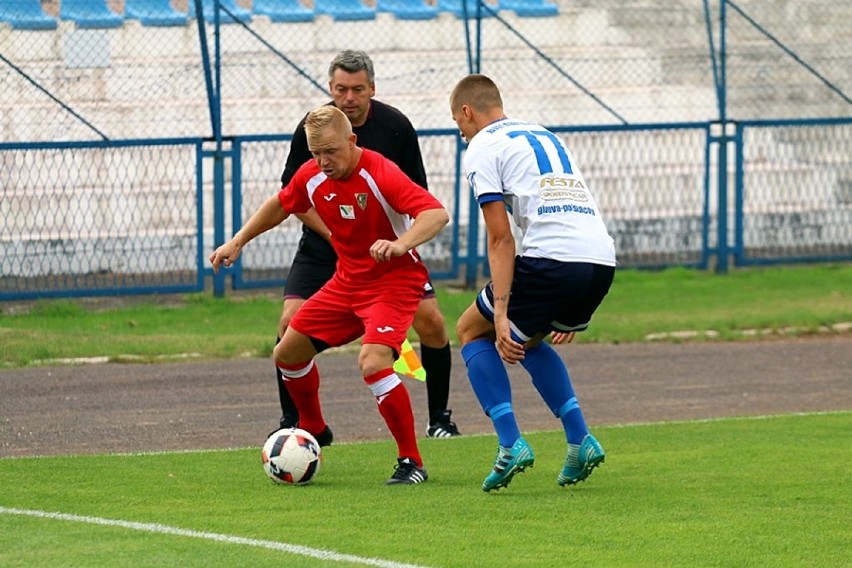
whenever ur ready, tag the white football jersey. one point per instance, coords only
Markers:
(531, 170)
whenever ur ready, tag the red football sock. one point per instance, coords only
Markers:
(304, 390)
(394, 405)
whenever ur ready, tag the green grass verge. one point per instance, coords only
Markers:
(734, 492)
(639, 304)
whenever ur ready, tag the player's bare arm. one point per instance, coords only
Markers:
(312, 219)
(424, 228)
(268, 216)
(501, 260)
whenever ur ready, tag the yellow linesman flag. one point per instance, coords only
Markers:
(409, 363)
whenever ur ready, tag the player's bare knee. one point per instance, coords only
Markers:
(284, 356)
(371, 365)
(374, 358)
(432, 334)
(294, 348)
(464, 336)
(431, 328)
(279, 355)
(290, 361)
(472, 326)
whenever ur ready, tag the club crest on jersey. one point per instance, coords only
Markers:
(347, 211)
(361, 198)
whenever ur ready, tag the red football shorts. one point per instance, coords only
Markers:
(381, 311)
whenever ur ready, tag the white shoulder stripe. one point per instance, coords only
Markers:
(314, 183)
(399, 222)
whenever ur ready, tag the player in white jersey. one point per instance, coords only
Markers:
(564, 267)
(530, 169)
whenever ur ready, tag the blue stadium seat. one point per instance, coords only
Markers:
(283, 10)
(345, 10)
(154, 13)
(530, 8)
(407, 9)
(455, 7)
(87, 14)
(209, 7)
(26, 15)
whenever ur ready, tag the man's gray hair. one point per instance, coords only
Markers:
(352, 61)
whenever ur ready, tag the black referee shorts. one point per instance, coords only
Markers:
(307, 275)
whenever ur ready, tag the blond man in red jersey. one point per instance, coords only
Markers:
(375, 221)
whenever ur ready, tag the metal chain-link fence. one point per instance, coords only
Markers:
(193, 101)
(92, 218)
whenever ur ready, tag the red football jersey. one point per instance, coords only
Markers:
(377, 201)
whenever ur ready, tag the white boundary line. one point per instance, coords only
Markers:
(317, 553)
(755, 417)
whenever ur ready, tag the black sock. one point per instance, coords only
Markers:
(437, 363)
(288, 407)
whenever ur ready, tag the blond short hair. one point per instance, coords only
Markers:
(325, 118)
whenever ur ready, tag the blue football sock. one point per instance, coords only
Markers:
(503, 418)
(490, 383)
(550, 378)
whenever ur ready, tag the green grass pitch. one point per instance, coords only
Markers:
(773, 491)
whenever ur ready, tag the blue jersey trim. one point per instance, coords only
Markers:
(489, 197)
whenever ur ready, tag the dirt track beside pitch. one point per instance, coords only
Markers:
(195, 405)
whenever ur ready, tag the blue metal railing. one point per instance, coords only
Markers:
(46, 252)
